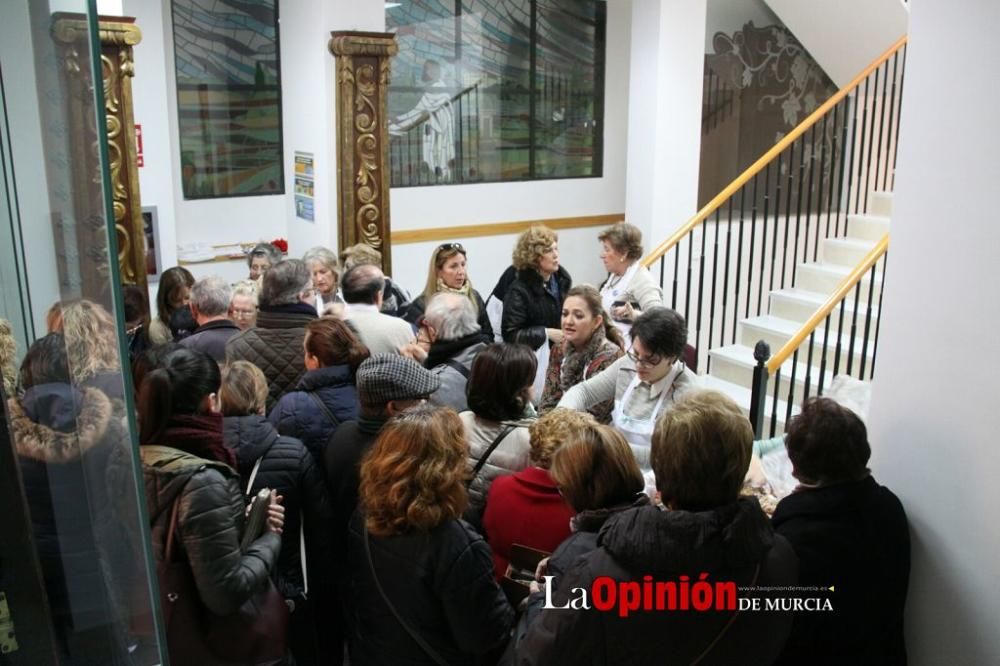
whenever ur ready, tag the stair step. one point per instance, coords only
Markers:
(799, 304)
(735, 363)
(741, 396)
(867, 227)
(846, 251)
(776, 331)
(880, 203)
(825, 278)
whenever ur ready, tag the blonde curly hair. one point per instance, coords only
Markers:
(531, 245)
(554, 429)
(91, 340)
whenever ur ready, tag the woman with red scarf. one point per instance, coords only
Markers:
(186, 465)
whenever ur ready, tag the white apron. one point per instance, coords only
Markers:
(639, 431)
(617, 293)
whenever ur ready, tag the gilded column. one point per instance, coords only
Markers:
(363, 139)
(118, 36)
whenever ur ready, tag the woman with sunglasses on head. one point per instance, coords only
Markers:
(447, 273)
(644, 383)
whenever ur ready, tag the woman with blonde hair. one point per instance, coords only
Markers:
(325, 270)
(533, 303)
(265, 459)
(590, 344)
(448, 273)
(92, 347)
(526, 507)
(420, 577)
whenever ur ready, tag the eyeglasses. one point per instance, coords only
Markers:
(244, 314)
(451, 246)
(650, 362)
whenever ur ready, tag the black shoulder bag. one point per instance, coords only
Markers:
(489, 451)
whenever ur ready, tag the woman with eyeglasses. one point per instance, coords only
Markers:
(448, 273)
(649, 380)
(243, 305)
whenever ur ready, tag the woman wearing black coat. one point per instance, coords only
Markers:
(532, 307)
(421, 579)
(287, 467)
(74, 454)
(325, 396)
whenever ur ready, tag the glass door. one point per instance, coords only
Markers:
(77, 583)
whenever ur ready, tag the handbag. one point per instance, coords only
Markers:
(254, 634)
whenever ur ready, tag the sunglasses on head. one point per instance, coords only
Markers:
(445, 247)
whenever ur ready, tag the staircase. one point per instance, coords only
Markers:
(779, 276)
(730, 368)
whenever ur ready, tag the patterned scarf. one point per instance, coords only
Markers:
(575, 362)
(463, 290)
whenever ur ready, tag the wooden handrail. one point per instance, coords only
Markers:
(767, 157)
(843, 289)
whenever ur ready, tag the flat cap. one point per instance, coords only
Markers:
(384, 377)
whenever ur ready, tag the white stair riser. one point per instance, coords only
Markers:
(825, 282)
(800, 311)
(880, 203)
(867, 228)
(843, 255)
(725, 368)
(750, 335)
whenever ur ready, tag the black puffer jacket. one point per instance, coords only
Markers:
(275, 346)
(728, 543)
(209, 525)
(415, 310)
(441, 582)
(286, 466)
(529, 308)
(297, 414)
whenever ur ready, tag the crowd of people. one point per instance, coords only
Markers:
(415, 449)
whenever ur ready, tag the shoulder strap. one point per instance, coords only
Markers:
(168, 552)
(334, 421)
(486, 454)
(413, 634)
(728, 624)
(462, 370)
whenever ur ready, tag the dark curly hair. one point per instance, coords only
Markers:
(827, 443)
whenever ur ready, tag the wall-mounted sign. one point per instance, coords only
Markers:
(305, 186)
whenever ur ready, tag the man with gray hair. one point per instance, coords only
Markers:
(448, 340)
(363, 287)
(275, 344)
(210, 308)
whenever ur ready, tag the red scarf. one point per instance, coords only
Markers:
(200, 435)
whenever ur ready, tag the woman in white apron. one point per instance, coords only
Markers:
(629, 289)
(644, 383)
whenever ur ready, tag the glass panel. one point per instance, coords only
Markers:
(228, 71)
(75, 565)
(485, 91)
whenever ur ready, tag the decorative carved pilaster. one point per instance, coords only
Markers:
(118, 35)
(363, 139)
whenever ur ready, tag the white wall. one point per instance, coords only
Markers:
(32, 187)
(664, 131)
(844, 36)
(934, 411)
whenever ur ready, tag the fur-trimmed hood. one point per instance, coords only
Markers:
(57, 423)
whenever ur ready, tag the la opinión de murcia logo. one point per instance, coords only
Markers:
(625, 597)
